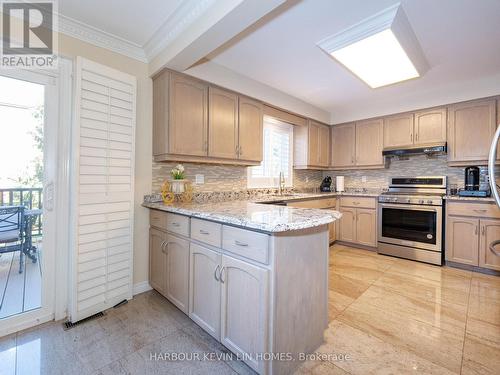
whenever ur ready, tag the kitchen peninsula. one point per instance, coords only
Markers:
(254, 276)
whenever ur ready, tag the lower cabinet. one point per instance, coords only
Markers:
(358, 225)
(244, 308)
(169, 267)
(471, 229)
(347, 225)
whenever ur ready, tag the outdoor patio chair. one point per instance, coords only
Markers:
(11, 231)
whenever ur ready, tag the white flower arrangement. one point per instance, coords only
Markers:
(178, 172)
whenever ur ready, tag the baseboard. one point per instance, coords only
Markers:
(141, 287)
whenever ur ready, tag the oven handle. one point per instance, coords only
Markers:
(412, 207)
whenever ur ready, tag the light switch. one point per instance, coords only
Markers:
(199, 179)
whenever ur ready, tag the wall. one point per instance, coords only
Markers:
(415, 166)
(225, 177)
(70, 47)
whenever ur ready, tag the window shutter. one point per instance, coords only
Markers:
(103, 188)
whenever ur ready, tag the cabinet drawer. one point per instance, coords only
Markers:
(358, 202)
(158, 219)
(482, 210)
(178, 224)
(206, 231)
(316, 203)
(251, 245)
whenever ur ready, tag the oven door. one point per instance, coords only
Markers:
(410, 225)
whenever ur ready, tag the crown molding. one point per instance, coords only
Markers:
(100, 38)
(180, 20)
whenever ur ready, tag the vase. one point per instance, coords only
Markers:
(177, 186)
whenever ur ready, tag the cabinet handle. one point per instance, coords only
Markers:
(240, 150)
(236, 151)
(411, 137)
(236, 242)
(164, 248)
(215, 273)
(176, 225)
(204, 231)
(476, 230)
(416, 136)
(220, 275)
(480, 210)
(482, 230)
(161, 246)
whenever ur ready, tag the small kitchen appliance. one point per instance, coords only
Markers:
(410, 218)
(476, 183)
(326, 184)
(472, 178)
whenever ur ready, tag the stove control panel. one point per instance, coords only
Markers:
(405, 199)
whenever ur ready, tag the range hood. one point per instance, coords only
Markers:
(436, 148)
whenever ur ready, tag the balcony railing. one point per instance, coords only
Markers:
(31, 198)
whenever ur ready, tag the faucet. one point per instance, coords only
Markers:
(281, 186)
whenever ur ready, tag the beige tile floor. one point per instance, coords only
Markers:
(387, 316)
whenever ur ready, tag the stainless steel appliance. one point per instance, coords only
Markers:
(476, 183)
(492, 157)
(410, 218)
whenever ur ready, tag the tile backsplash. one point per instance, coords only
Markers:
(420, 165)
(220, 177)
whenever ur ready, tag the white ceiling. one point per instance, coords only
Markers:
(131, 20)
(459, 39)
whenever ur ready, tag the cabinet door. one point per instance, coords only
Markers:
(343, 145)
(160, 113)
(324, 146)
(331, 232)
(222, 124)
(369, 143)
(157, 260)
(398, 131)
(188, 116)
(490, 232)
(347, 226)
(250, 135)
(471, 129)
(462, 240)
(177, 271)
(313, 143)
(244, 309)
(204, 289)
(430, 126)
(366, 227)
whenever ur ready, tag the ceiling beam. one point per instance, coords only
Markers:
(222, 21)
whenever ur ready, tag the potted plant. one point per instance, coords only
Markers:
(178, 179)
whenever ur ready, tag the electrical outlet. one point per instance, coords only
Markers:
(363, 179)
(199, 179)
(307, 178)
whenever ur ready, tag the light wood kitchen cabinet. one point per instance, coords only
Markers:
(250, 136)
(369, 143)
(244, 315)
(157, 260)
(177, 271)
(204, 289)
(471, 226)
(471, 127)
(311, 146)
(490, 232)
(430, 126)
(187, 116)
(462, 238)
(222, 124)
(398, 131)
(358, 224)
(366, 224)
(347, 225)
(343, 142)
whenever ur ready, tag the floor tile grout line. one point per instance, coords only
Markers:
(466, 322)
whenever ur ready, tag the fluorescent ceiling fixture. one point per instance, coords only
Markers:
(380, 50)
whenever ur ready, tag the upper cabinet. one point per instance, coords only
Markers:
(471, 127)
(369, 138)
(398, 131)
(312, 146)
(222, 123)
(358, 145)
(197, 122)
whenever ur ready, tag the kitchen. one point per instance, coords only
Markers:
(271, 187)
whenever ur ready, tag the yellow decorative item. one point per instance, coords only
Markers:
(187, 196)
(167, 196)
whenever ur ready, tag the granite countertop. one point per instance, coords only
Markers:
(310, 196)
(473, 199)
(261, 217)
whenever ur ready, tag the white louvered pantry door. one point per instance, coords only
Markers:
(103, 191)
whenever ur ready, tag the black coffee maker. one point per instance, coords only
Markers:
(471, 178)
(326, 184)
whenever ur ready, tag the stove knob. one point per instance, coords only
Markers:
(408, 200)
(421, 201)
(429, 202)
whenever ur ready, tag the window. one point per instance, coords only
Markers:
(277, 156)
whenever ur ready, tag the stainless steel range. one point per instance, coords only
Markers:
(410, 218)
